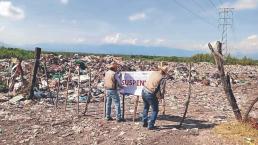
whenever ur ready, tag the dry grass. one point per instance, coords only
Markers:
(241, 132)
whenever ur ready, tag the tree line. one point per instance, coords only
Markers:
(15, 52)
(27, 54)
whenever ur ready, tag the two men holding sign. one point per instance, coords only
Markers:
(153, 87)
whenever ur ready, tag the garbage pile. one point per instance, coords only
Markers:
(57, 72)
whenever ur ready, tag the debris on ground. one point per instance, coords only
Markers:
(38, 121)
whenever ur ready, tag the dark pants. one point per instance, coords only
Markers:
(149, 99)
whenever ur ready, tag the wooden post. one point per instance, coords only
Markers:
(249, 109)
(58, 88)
(135, 107)
(89, 95)
(19, 67)
(67, 87)
(78, 97)
(105, 104)
(46, 77)
(163, 106)
(9, 77)
(9, 72)
(123, 102)
(35, 70)
(189, 96)
(225, 79)
(90, 78)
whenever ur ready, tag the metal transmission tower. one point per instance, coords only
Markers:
(225, 22)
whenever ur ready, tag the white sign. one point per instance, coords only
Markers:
(134, 82)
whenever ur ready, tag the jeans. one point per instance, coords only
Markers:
(149, 99)
(113, 95)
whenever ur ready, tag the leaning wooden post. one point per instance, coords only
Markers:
(35, 70)
(135, 107)
(249, 109)
(225, 79)
(189, 96)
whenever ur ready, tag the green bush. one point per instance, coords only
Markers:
(15, 52)
(25, 54)
(202, 58)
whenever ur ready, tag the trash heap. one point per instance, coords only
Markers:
(54, 72)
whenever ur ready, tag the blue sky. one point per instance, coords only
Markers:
(180, 24)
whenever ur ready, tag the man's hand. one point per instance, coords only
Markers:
(123, 86)
(121, 91)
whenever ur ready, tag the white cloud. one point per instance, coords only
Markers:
(79, 40)
(248, 45)
(132, 41)
(65, 2)
(137, 16)
(113, 38)
(146, 41)
(118, 38)
(8, 10)
(2, 28)
(242, 4)
(252, 37)
(159, 41)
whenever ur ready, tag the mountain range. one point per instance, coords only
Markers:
(116, 49)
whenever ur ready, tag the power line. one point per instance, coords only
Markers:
(220, 2)
(212, 3)
(199, 5)
(194, 14)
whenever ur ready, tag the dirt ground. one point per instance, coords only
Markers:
(40, 123)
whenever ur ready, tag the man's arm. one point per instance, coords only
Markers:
(118, 80)
(159, 90)
(163, 88)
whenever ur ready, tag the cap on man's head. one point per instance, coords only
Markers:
(112, 65)
(164, 69)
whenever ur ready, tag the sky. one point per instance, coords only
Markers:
(180, 24)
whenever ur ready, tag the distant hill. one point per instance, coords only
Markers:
(121, 49)
(117, 49)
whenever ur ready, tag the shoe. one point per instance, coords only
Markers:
(109, 118)
(152, 127)
(144, 124)
(120, 120)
